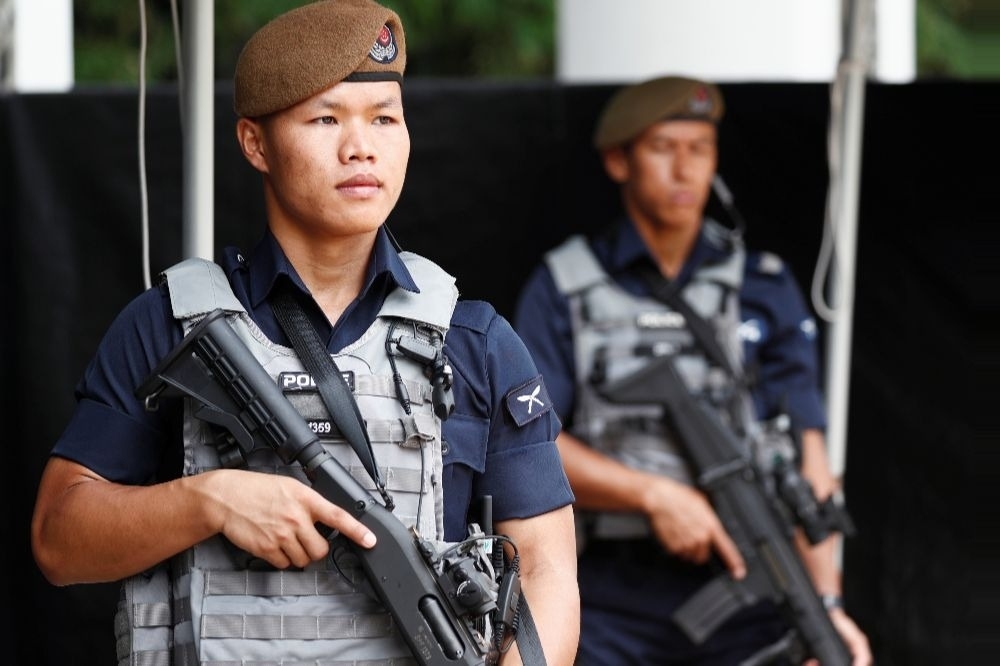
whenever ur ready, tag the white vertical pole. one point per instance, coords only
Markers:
(40, 52)
(895, 58)
(843, 208)
(199, 128)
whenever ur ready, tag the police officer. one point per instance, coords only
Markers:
(648, 537)
(251, 576)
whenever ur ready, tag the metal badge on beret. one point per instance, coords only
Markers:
(384, 50)
(309, 49)
(634, 108)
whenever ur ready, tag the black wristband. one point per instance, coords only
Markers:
(831, 601)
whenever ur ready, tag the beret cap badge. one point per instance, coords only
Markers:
(384, 50)
(701, 102)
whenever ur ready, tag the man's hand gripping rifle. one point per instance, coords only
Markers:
(437, 599)
(758, 520)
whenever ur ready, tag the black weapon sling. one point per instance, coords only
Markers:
(333, 388)
(669, 292)
(343, 408)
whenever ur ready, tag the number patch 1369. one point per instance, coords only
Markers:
(321, 426)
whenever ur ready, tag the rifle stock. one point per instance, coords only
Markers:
(774, 569)
(213, 366)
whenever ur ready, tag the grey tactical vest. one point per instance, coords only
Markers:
(213, 604)
(615, 333)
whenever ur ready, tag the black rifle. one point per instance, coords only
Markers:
(760, 530)
(435, 598)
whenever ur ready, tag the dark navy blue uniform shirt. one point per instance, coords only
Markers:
(778, 332)
(495, 445)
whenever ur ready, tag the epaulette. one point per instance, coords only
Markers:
(474, 315)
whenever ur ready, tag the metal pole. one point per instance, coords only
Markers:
(843, 207)
(199, 128)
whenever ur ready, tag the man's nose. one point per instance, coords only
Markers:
(357, 144)
(682, 164)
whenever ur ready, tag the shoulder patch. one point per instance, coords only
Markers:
(769, 263)
(528, 401)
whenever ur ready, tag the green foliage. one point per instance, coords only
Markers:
(235, 22)
(464, 38)
(958, 39)
(509, 39)
(107, 40)
(447, 38)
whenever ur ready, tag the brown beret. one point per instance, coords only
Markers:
(634, 108)
(311, 48)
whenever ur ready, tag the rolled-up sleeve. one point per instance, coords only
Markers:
(110, 431)
(131, 449)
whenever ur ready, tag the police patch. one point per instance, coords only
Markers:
(668, 319)
(303, 381)
(384, 50)
(528, 401)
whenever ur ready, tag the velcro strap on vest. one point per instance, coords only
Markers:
(152, 658)
(180, 655)
(156, 614)
(394, 661)
(276, 583)
(384, 387)
(297, 627)
(397, 480)
(410, 432)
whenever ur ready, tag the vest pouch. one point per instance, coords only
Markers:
(290, 616)
(144, 619)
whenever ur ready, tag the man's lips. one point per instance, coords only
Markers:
(360, 184)
(683, 198)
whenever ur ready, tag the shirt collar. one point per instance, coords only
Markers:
(268, 263)
(627, 248)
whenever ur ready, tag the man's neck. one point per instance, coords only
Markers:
(333, 270)
(669, 245)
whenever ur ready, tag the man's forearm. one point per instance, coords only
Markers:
(547, 546)
(820, 559)
(86, 529)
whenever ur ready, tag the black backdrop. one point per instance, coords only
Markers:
(500, 172)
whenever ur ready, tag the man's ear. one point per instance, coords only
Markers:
(249, 134)
(615, 164)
